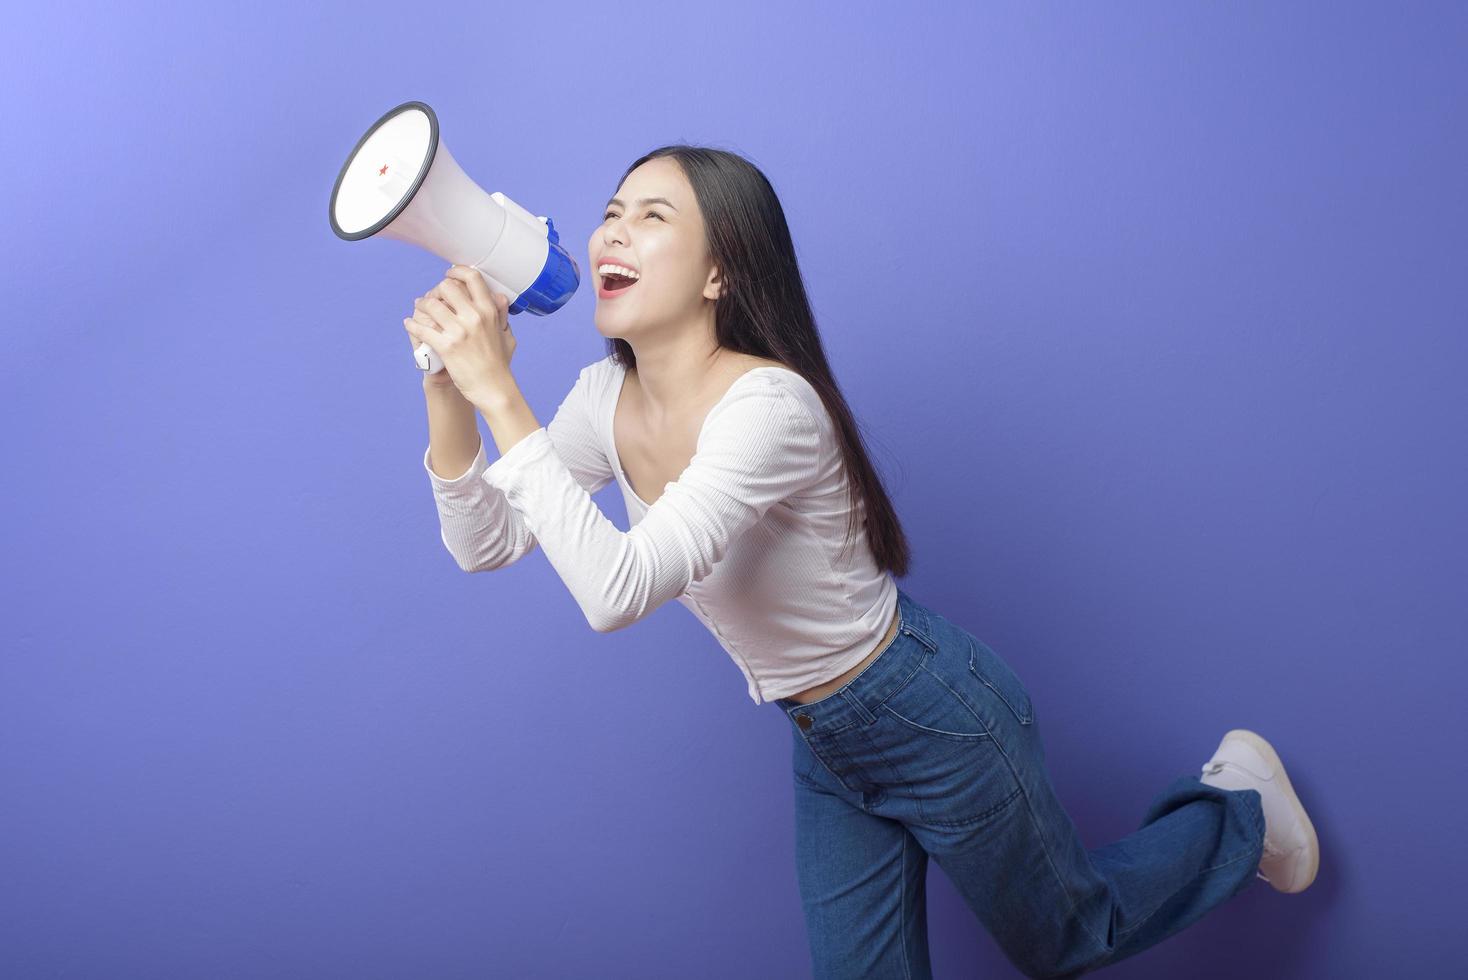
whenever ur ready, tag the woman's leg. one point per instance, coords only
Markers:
(938, 735)
(1056, 908)
(862, 884)
(1060, 910)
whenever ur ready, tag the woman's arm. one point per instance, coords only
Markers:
(453, 430)
(476, 523)
(757, 448)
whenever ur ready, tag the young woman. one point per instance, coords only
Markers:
(752, 502)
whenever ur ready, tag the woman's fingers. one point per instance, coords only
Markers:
(435, 311)
(423, 326)
(474, 282)
(469, 290)
(422, 330)
(452, 292)
(416, 327)
(442, 297)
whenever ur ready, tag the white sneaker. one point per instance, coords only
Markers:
(1244, 760)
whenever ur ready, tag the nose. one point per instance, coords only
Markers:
(611, 232)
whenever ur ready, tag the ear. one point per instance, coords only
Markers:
(714, 286)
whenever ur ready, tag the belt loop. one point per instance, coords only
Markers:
(921, 627)
(858, 707)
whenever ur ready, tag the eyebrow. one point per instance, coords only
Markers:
(644, 200)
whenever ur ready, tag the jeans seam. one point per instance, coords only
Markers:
(939, 732)
(822, 763)
(899, 777)
(809, 772)
(1234, 860)
(902, 782)
(987, 731)
(902, 905)
(1045, 849)
(1137, 925)
(973, 656)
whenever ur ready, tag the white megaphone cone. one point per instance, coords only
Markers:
(401, 182)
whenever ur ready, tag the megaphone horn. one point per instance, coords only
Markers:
(400, 181)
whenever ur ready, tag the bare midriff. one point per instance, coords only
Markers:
(835, 683)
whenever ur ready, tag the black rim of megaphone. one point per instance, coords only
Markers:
(418, 180)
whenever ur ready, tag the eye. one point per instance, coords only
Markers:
(653, 214)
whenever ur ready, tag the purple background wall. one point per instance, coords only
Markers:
(1154, 314)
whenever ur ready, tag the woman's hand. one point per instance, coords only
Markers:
(440, 381)
(468, 326)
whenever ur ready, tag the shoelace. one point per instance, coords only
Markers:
(1270, 851)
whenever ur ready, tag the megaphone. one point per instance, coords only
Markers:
(400, 181)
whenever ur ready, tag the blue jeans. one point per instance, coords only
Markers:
(934, 750)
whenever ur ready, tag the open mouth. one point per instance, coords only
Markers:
(613, 283)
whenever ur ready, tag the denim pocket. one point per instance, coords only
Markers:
(998, 677)
(927, 705)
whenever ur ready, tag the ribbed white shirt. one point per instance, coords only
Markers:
(749, 537)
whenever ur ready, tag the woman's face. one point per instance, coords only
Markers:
(664, 241)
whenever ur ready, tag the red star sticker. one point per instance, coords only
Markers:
(383, 170)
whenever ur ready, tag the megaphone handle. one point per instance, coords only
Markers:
(428, 362)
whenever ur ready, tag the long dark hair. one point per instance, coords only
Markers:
(762, 310)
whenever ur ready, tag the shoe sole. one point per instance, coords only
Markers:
(1312, 843)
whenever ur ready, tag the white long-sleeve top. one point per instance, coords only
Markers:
(749, 537)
